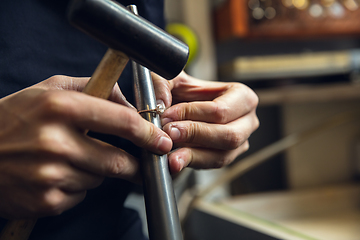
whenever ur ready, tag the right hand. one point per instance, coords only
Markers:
(47, 162)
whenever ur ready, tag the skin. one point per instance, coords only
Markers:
(209, 122)
(47, 163)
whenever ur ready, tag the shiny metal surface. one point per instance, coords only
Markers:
(142, 41)
(161, 210)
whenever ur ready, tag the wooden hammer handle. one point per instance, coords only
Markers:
(17, 229)
(106, 74)
(100, 85)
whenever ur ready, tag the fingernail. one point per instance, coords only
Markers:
(160, 102)
(160, 106)
(175, 133)
(181, 163)
(165, 121)
(164, 144)
(176, 164)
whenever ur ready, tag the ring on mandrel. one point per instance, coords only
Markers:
(160, 109)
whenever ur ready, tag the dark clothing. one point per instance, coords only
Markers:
(37, 42)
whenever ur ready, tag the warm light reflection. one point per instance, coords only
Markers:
(352, 5)
(300, 4)
(287, 3)
(327, 3)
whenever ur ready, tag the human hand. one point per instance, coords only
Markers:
(209, 122)
(47, 162)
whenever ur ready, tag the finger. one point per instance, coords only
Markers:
(186, 88)
(55, 201)
(88, 154)
(61, 82)
(218, 136)
(162, 89)
(106, 160)
(30, 203)
(50, 171)
(66, 177)
(203, 158)
(98, 115)
(234, 102)
(58, 143)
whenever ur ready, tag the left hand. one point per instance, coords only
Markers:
(209, 122)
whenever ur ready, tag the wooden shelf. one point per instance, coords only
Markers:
(309, 93)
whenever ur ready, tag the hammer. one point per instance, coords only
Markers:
(128, 36)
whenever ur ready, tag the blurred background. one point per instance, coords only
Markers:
(299, 180)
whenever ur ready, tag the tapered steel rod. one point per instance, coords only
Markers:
(161, 209)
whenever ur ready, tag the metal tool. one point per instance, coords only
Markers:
(119, 29)
(162, 215)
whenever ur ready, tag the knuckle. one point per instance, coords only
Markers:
(55, 104)
(185, 111)
(253, 99)
(221, 112)
(46, 142)
(116, 168)
(52, 203)
(51, 175)
(50, 100)
(190, 132)
(221, 162)
(233, 139)
(51, 140)
(53, 80)
(246, 146)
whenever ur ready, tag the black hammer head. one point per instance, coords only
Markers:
(120, 29)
